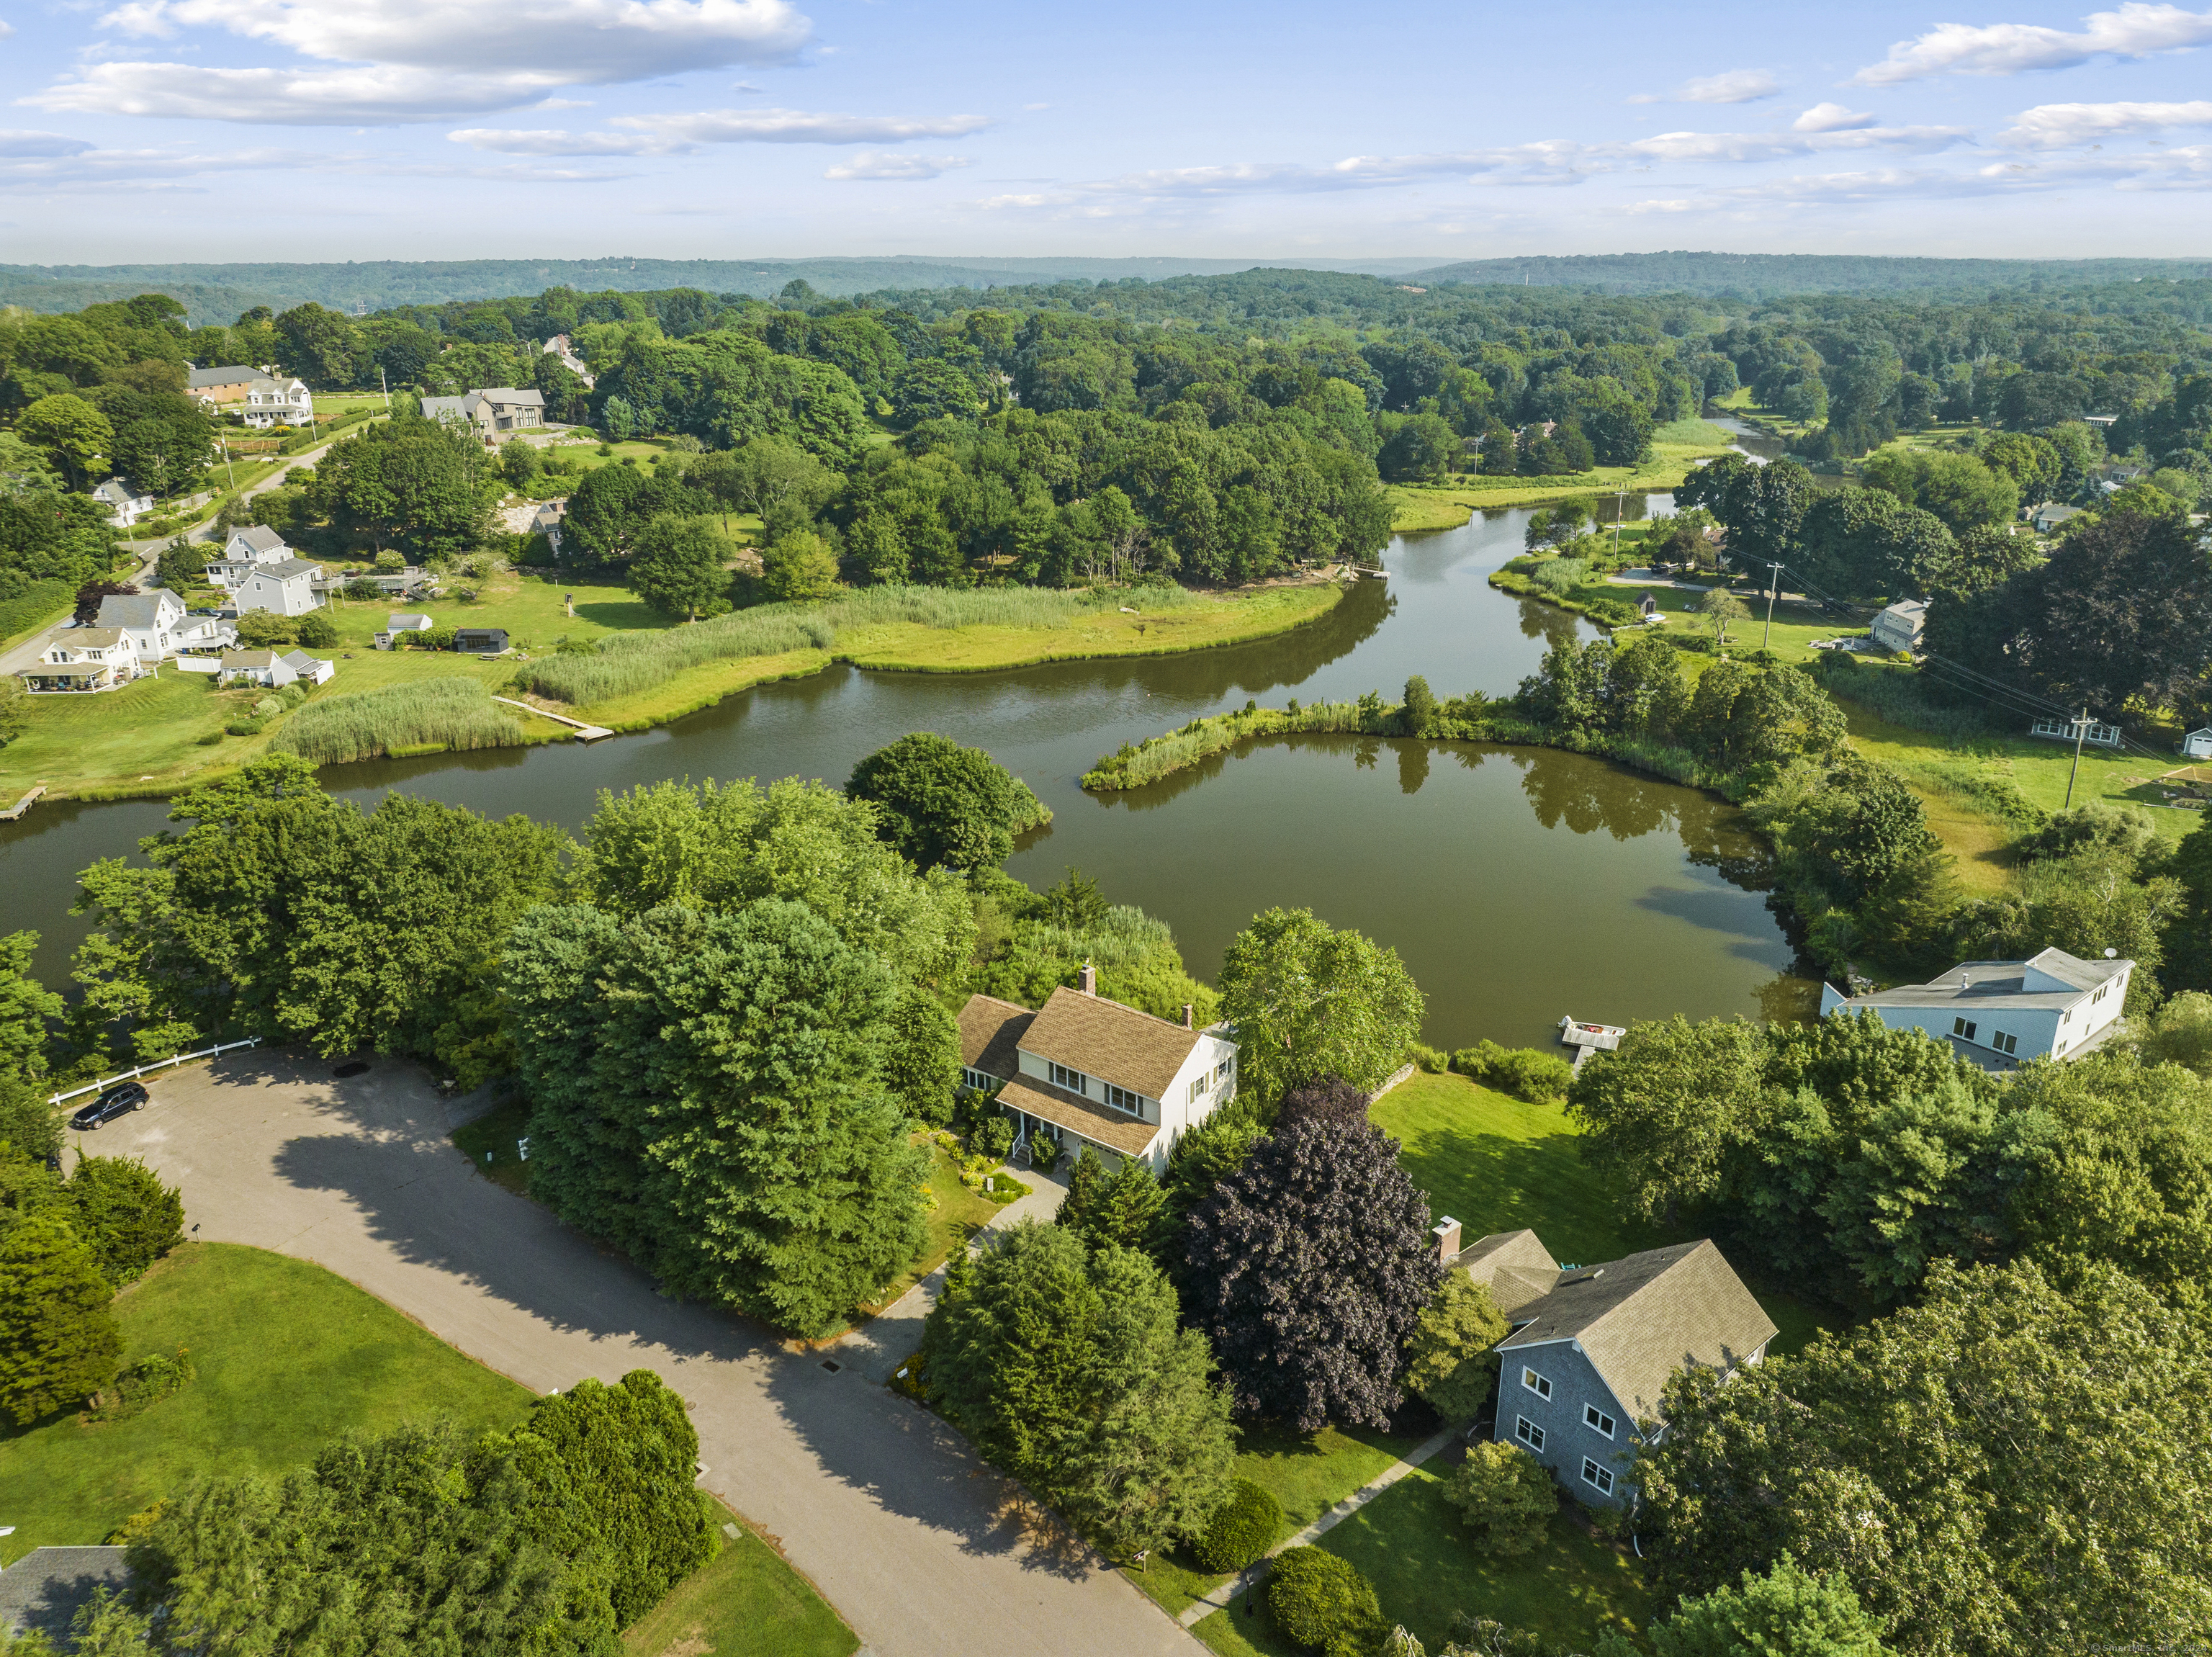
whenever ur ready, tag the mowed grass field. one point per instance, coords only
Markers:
(290, 1357)
(744, 1602)
(1675, 448)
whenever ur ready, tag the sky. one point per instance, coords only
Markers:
(255, 129)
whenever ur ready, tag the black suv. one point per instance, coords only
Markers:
(120, 1100)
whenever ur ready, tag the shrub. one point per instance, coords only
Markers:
(1324, 1604)
(458, 712)
(1429, 1059)
(1242, 1530)
(995, 1138)
(243, 727)
(143, 1386)
(1525, 1072)
(1044, 1153)
(268, 708)
(1505, 1496)
(317, 632)
(210, 738)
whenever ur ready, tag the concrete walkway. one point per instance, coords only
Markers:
(1223, 1596)
(922, 1547)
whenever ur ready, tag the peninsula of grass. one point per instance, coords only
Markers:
(744, 1602)
(1676, 448)
(290, 1357)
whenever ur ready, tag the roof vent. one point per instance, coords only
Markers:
(1589, 1276)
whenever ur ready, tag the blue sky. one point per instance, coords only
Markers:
(157, 129)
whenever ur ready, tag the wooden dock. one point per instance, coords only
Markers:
(14, 812)
(584, 733)
(1587, 1038)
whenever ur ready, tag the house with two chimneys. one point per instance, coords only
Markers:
(1582, 1370)
(1087, 1071)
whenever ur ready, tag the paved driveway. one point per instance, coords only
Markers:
(880, 1503)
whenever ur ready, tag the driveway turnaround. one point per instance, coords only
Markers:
(913, 1539)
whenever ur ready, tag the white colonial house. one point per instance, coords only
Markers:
(85, 659)
(158, 627)
(1088, 1071)
(125, 504)
(283, 589)
(249, 545)
(272, 402)
(1999, 1014)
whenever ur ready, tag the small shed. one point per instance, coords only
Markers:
(481, 641)
(316, 670)
(1648, 605)
(401, 622)
(2198, 745)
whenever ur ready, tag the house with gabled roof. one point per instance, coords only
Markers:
(126, 502)
(284, 588)
(1088, 1071)
(249, 544)
(1584, 1370)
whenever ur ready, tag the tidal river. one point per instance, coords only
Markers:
(1518, 884)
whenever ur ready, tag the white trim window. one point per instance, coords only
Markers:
(1122, 1100)
(1539, 1384)
(1596, 1420)
(1529, 1433)
(1963, 1028)
(2004, 1042)
(976, 1081)
(1199, 1084)
(1598, 1478)
(1074, 1080)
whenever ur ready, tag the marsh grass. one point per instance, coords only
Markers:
(626, 664)
(451, 713)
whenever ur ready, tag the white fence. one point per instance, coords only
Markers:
(158, 1064)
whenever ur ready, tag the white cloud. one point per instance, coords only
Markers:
(2136, 30)
(1830, 118)
(6, 28)
(26, 144)
(1771, 146)
(684, 134)
(81, 168)
(413, 60)
(897, 169)
(2055, 126)
(1736, 85)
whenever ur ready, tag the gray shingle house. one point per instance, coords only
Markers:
(1592, 1347)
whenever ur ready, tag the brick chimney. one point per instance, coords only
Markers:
(1447, 1235)
(1089, 982)
(1187, 1010)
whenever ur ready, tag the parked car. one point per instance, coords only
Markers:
(203, 612)
(121, 1100)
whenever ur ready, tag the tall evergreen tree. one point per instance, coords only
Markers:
(58, 1342)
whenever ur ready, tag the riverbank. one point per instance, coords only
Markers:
(159, 735)
(1676, 449)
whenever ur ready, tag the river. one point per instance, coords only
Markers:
(1518, 884)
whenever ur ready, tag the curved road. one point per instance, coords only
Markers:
(912, 1538)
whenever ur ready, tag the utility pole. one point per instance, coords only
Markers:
(1773, 591)
(387, 384)
(1620, 506)
(2080, 734)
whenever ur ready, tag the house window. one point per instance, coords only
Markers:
(1074, 1080)
(1594, 1416)
(1963, 1028)
(1226, 1068)
(1600, 1478)
(2003, 1042)
(1537, 1384)
(1528, 1432)
(1198, 1088)
(977, 1080)
(1122, 1100)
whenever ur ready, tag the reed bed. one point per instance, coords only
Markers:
(1162, 756)
(626, 664)
(457, 712)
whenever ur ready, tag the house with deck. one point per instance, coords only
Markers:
(1582, 1372)
(1084, 1070)
(158, 626)
(271, 401)
(2000, 1014)
(85, 659)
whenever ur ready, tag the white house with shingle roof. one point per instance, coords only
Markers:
(1999, 1014)
(1592, 1347)
(248, 545)
(284, 589)
(1094, 1072)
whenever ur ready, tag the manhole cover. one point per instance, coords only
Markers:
(832, 1366)
(356, 1069)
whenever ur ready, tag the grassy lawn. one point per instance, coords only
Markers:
(1495, 1163)
(1797, 626)
(290, 1357)
(533, 610)
(1674, 447)
(37, 607)
(744, 1602)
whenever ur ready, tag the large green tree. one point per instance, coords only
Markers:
(707, 1095)
(1068, 1366)
(1310, 1002)
(940, 803)
(1788, 1612)
(58, 1342)
(679, 568)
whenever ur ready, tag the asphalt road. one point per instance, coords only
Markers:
(882, 1505)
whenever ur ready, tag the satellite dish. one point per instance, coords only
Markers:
(2109, 953)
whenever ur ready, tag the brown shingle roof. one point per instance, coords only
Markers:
(1080, 1116)
(1115, 1043)
(1639, 1319)
(990, 1030)
(1514, 1265)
